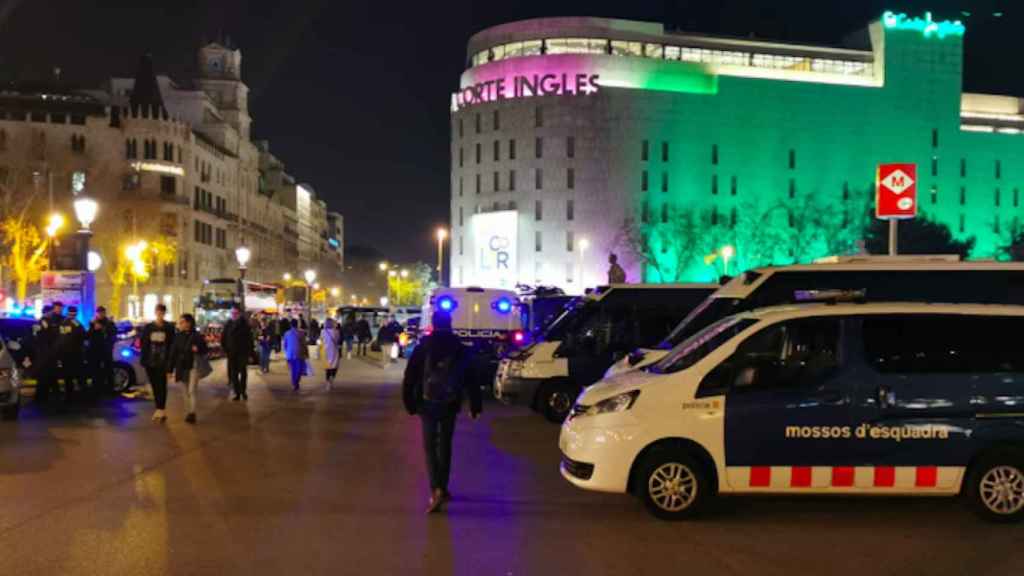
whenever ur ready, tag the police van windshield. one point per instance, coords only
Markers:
(696, 347)
(710, 311)
(576, 313)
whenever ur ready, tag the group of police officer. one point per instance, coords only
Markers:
(66, 350)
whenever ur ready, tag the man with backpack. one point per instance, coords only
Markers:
(433, 388)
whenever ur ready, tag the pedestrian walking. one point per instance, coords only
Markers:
(363, 334)
(387, 337)
(266, 340)
(283, 326)
(348, 333)
(295, 353)
(101, 338)
(188, 349)
(156, 340)
(314, 331)
(435, 383)
(236, 340)
(331, 338)
(44, 335)
(71, 351)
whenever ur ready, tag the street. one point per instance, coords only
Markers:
(334, 483)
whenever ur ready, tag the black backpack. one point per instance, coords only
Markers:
(440, 385)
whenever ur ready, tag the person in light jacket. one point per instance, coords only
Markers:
(295, 352)
(331, 339)
(188, 345)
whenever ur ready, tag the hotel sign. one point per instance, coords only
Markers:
(525, 85)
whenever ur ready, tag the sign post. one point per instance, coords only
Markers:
(895, 197)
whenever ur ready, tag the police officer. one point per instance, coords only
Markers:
(71, 349)
(102, 335)
(156, 339)
(44, 334)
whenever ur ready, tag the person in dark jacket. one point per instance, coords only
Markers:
(101, 337)
(188, 346)
(45, 333)
(71, 351)
(156, 339)
(363, 334)
(435, 384)
(237, 342)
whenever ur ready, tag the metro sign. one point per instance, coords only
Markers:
(896, 191)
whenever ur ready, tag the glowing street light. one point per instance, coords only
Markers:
(310, 276)
(727, 253)
(383, 266)
(286, 277)
(54, 224)
(85, 210)
(93, 261)
(242, 254)
(335, 292)
(405, 273)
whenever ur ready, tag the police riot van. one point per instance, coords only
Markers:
(590, 336)
(483, 318)
(863, 399)
(929, 278)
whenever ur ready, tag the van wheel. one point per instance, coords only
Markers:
(995, 487)
(10, 412)
(673, 485)
(556, 401)
(124, 378)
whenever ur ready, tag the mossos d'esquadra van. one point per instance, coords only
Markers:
(866, 399)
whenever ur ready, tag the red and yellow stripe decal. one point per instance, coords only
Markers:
(844, 478)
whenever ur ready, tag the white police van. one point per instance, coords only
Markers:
(866, 399)
(928, 278)
(590, 336)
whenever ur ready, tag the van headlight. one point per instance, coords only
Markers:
(619, 403)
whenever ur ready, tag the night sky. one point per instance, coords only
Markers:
(354, 95)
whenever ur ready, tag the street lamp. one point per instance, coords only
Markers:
(286, 277)
(54, 224)
(85, 210)
(405, 273)
(93, 261)
(242, 254)
(584, 244)
(441, 235)
(383, 266)
(727, 253)
(310, 276)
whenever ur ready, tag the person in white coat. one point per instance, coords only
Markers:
(331, 339)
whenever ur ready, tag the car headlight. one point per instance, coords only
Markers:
(619, 403)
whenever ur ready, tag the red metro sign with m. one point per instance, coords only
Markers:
(896, 191)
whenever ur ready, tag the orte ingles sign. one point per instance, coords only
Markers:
(896, 191)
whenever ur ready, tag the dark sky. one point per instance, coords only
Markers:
(354, 95)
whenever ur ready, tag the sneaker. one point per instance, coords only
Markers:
(436, 501)
(191, 418)
(236, 398)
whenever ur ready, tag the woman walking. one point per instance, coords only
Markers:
(331, 339)
(266, 338)
(295, 352)
(188, 347)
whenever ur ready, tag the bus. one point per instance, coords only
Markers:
(218, 295)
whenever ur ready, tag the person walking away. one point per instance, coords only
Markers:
(616, 275)
(303, 325)
(236, 340)
(71, 350)
(314, 331)
(45, 333)
(101, 337)
(283, 326)
(266, 339)
(294, 345)
(363, 334)
(156, 340)
(387, 336)
(331, 336)
(435, 383)
(189, 345)
(348, 333)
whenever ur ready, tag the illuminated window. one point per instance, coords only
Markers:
(497, 121)
(538, 211)
(512, 180)
(664, 181)
(570, 179)
(623, 48)
(643, 181)
(671, 52)
(512, 149)
(538, 117)
(714, 183)
(664, 151)
(497, 150)
(570, 147)
(664, 213)
(570, 210)
(714, 154)
(539, 179)
(963, 195)
(538, 147)
(496, 182)
(645, 150)
(532, 47)
(654, 51)
(538, 241)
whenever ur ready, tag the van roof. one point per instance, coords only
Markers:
(788, 311)
(603, 291)
(744, 284)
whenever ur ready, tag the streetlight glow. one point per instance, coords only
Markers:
(335, 292)
(584, 244)
(310, 276)
(442, 234)
(287, 277)
(383, 266)
(85, 210)
(316, 285)
(727, 253)
(392, 273)
(242, 254)
(405, 273)
(93, 261)
(54, 224)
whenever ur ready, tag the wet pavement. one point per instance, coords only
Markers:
(334, 483)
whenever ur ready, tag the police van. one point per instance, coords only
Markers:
(864, 399)
(598, 329)
(929, 278)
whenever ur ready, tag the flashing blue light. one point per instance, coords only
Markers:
(503, 305)
(446, 303)
(126, 353)
(332, 242)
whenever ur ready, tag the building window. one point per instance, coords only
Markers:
(512, 180)
(512, 149)
(3, 139)
(461, 157)
(77, 143)
(570, 179)
(168, 186)
(538, 147)
(538, 211)
(168, 152)
(477, 183)
(538, 181)
(714, 154)
(714, 184)
(570, 241)
(461, 183)
(1016, 197)
(497, 150)
(569, 268)
(732, 218)
(999, 167)
(963, 195)
(714, 216)
(460, 216)
(998, 194)
(963, 167)
(179, 155)
(570, 210)
(963, 223)
(570, 147)
(664, 181)
(497, 121)
(644, 150)
(792, 220)
(460, 252)
(935, 166)
(664, 213)
(461, 126)
(538, 241)
(935, 137)
(664, 151)
(935, 194)
(477, 122)
(792, 188)
(497, 183)
(643, 181)
(477, 152)
(792, 159)
(732, 185)
(538, 117)
(645, 212)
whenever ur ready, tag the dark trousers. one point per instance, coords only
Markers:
(101, 370)
(158, 380)
(47, 382)
(72, 369)
(361, 350)
(437, 443)
(238, 373)
(296, 367)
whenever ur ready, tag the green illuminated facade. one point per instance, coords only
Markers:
(773, 152)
